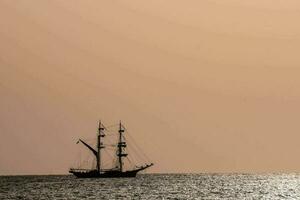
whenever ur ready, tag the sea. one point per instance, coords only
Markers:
(153, 186)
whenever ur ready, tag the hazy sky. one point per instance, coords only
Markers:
(203, 86)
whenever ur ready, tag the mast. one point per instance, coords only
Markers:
(121, 145)
(99, 147)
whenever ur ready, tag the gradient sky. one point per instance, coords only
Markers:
(203, 86)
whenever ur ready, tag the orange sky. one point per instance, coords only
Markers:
(203, 86)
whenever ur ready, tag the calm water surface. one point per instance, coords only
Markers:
(150, 186)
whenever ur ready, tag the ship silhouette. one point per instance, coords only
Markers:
(118, 170)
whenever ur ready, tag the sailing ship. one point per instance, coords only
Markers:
(120, 153)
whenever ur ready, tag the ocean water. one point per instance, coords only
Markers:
(153, 186)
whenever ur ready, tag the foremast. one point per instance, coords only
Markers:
(99, 145)
(121, 146)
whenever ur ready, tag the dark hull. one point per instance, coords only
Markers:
(81, 173)
(108, 174)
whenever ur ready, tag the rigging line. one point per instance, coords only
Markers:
(130, 162)
(110, 148)
(110, 129)
(133, 158)
(136, 152)
(110, 145)
(143, 154)
(112, 125)
(129, 134)
(111, 132)
(105, 127)
(137, 145)
(110, 136)
(109, 140)
(137, 157)
(108, 154)
(88, 139)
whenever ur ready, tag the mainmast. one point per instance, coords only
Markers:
(121, 145)
(99, 146)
